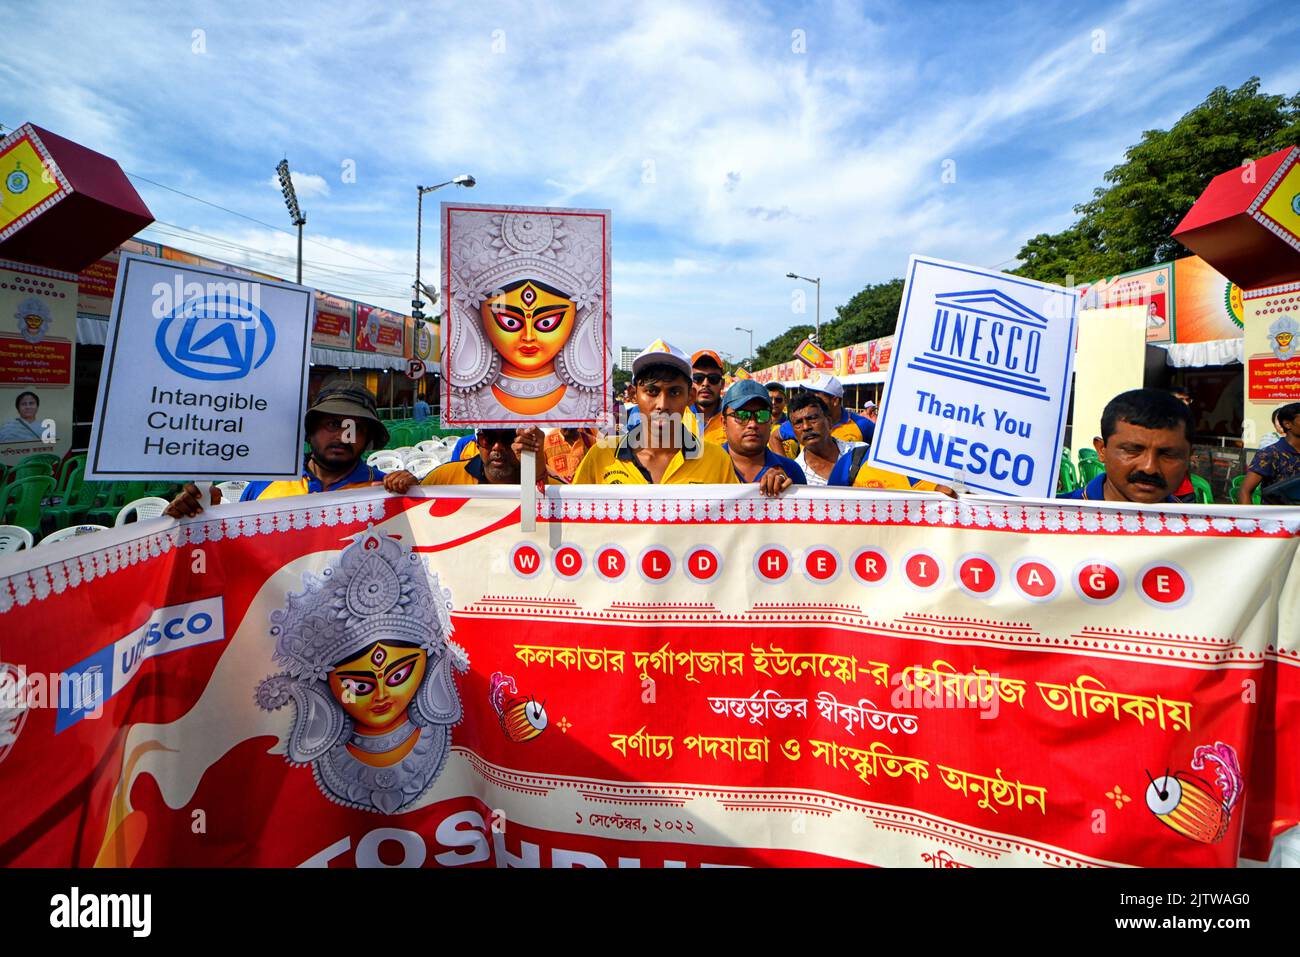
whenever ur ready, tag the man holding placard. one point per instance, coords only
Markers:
(341, 426)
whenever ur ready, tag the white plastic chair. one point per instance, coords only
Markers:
(14, 538)
(421, 465)
(428, 445)
(386, 461)
(72, 531)
(230, 491)
(141, 508)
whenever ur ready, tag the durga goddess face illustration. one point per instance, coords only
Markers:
(528, 322)
(527, 331)
(369, 672)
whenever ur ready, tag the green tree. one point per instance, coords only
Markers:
(781, 349)
(1126, 224)
(870, 314)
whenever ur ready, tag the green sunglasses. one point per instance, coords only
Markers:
(761, 416)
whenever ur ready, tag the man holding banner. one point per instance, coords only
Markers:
(341, 426)
(747, 418)
(659, 449)
(1145, 445)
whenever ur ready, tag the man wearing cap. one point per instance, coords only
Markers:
(341, 426)
(706, 379)
(820, 450)
(747, 418)
(659, 449)
(497, 462)
(844, 424)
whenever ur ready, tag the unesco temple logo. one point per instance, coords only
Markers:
(220, 334)
(985, 337)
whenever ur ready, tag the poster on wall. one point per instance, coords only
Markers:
(1272, 355)
(380, 331)
(333, 326)
(527, 294)
(1151, 288)
(1207, 306)
(38, 334)
(96, 282)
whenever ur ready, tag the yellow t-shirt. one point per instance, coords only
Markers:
(363, 476)
(871, 477)
(714, 432)
(464, 472)
(461, 472)
(707, 465)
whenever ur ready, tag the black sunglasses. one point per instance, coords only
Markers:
(712, 378)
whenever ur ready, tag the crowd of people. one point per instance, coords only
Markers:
(682, 427)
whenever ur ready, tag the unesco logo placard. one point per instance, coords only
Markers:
(216, 336)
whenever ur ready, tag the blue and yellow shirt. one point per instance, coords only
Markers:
(1095, 491)
(363, 476)
(465, 448)
(771, 460)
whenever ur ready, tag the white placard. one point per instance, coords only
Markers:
(205, 376)
(979, 381)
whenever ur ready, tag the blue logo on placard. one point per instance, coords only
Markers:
(985, 337)
(215, 337)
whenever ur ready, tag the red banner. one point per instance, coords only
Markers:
(658, 679)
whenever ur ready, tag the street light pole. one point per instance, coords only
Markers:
(417, 304)
(818, 283)
(751, 345)
(291, 202)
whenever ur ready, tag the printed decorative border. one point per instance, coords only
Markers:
(1060, 517)
(39, 582)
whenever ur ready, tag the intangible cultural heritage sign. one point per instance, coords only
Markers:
(979, 380)
(670, 677)
(205, 375)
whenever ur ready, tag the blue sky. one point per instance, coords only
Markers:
(734, 142)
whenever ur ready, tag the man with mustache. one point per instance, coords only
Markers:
(341, 426)
(844, 424)
(1145, 445)
(810, 424)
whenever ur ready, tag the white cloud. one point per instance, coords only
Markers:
(305, 185)
(728, 159)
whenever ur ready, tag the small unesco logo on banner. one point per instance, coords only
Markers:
(212, 331)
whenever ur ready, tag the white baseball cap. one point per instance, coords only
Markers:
(661, 353)
(826, 384)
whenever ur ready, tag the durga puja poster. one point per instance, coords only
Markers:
(527, 337)
(38, 333)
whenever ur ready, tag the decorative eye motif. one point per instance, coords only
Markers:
(549, 323)
(357, 687)
(506, 321)
(400, 675)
